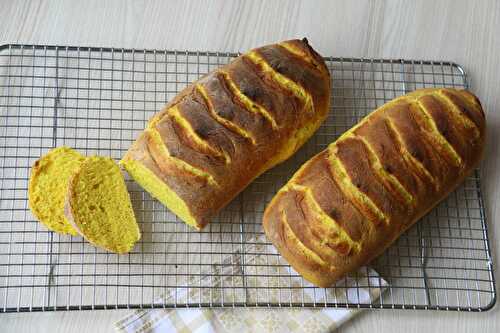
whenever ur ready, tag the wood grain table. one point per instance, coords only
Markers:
(467, 32)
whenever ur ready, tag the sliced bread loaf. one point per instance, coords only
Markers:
(98, 206)
(48, 186)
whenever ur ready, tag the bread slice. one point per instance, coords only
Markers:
(99, 208)
(48, 186)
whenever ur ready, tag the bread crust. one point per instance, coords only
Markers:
(375, 181)
(234, 123)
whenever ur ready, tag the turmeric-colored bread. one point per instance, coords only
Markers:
(48, 186)
(230, 126)
(98, 206)
(347, 204)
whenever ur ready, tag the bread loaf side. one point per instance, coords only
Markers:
(348, 203)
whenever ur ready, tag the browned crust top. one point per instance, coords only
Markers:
(225, 128)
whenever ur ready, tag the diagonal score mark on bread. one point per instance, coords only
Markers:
(435, 134)
(455, 111)
(164, 154)
(357, 197)
(290, 85)
(249, 105)
(389, 180)
(300, 53)
(223, 121)
(163, 157)
(408, 157)
(200, 144)
(292, 237)
(326, 221)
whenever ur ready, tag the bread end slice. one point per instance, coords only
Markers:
(48, 186)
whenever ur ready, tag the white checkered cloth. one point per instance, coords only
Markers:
(243, 320)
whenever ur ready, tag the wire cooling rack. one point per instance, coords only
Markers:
(96, 100)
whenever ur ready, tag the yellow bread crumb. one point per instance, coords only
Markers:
(99, 207)
(159, 190)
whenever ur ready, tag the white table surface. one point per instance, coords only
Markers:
(467, 32)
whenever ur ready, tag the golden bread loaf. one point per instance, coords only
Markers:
(230, 126)
(348, 203)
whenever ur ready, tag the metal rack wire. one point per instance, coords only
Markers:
(97, 99)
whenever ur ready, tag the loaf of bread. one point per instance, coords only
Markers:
(347, 204)
(230, 126)
(48, 187)
(98, 205)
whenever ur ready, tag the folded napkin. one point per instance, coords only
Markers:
(242, 320)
